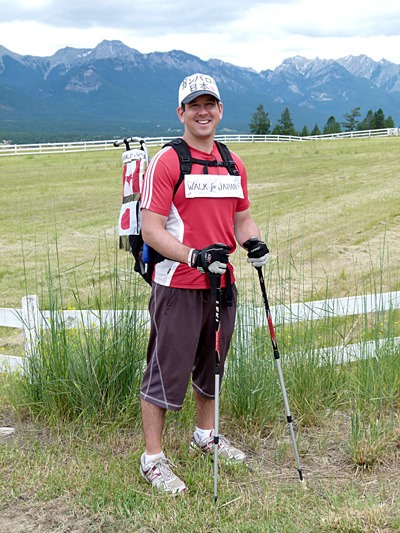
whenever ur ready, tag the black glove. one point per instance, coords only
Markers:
(213, 258)
(257, 252)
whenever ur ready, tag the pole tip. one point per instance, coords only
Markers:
(303, 484)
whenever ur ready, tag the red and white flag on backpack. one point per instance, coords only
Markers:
(134, 166)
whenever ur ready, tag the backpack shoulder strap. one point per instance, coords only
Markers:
(227, 158)
(185, 160)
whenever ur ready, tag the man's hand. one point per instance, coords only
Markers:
(213, 258)
(257, 252)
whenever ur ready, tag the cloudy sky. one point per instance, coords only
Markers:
(247, 33)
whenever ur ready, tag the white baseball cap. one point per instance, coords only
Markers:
(196, 85)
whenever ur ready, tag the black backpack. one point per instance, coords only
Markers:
(145, 257)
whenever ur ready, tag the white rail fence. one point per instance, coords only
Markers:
(84, 146)
(33, 320)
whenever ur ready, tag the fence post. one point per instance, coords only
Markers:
(31, 322)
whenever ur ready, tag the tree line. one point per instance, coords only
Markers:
(260, 123)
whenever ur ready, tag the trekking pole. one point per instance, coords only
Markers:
(278, 366)
(215, 282)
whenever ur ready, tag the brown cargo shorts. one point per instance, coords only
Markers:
(182, 344)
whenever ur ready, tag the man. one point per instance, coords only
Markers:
(195, 227)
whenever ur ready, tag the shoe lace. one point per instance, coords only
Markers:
(224, 442)
(165, 469)
(160, 473)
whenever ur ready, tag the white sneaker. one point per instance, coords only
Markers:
(159, 474)
(226, 450)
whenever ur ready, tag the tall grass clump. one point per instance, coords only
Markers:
(375, 381)
(314, 381)
(319, 377)
(371, 437)
(374, 384)
(374, 403)
(251, 386)
(89, 365)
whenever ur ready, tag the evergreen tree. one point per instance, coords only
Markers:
(378, 122)
(351, 119)
(390, 122)
(260, 123)
(316, 130)
(305, 132)
(332, 126)
(366, 123)
(285, 125)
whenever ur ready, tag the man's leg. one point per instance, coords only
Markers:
(153, 464)
(205, 411)
(153, 418)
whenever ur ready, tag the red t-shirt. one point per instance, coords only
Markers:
(196, 221)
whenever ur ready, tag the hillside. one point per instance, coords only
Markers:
(112, 90)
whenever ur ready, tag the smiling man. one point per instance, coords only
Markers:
(194, 225)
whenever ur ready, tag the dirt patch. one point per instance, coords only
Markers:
(57, 516)
(53, 516)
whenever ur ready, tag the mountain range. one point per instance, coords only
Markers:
(113, 90)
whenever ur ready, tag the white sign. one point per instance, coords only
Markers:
(213, 186)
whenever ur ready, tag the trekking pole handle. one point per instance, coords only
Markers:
(120, 142)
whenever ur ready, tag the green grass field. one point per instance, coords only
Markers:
(329, 206)
(329, 210)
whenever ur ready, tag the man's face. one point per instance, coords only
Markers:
(201, 116)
